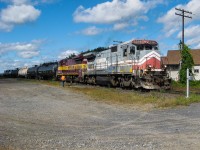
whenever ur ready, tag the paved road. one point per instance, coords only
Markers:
(34, 116)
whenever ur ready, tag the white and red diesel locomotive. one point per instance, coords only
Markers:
(135, 64)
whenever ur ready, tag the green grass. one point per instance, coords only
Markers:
(124, 97)
(180, 101)
(193, 84)
(156, 99)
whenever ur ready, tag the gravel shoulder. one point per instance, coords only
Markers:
(36, 116)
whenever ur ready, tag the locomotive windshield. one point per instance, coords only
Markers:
(145, 44)
(146, 47)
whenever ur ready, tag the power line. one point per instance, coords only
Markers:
(183, 12)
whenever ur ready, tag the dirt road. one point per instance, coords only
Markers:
(34, 116)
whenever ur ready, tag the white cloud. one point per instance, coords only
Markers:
(197, 46)
(194, 6)
(67, 53)
(114, 11)
(91, 31)
(19, 12)
(192, 34)
(5, 27)
(28, 54)
(9, 64)
(119, 26)
(172, 22)
(191, 31)
(24, 50)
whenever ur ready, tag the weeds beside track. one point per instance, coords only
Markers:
(143, 99)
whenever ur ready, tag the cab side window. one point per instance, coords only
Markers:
(125, 53)
(132, 50)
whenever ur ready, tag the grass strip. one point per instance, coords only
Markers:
(117, 96)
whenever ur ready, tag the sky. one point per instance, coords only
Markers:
(38, 31)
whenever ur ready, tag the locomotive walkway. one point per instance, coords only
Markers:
(36, 116)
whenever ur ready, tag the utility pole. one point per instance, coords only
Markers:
(183, 12)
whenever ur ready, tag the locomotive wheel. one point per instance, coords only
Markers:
(86, 80)
(93, 80)
(121, 84)
(109, 85)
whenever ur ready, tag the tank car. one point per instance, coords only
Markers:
(32, 72)
(7, 73)
(22, 73)
(47, 70)
(14, 73)
(11, 73)
(1, 75)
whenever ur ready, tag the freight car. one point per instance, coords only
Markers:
(7, 73)
(14, 73)
(1, 75)
(22, 73)
(11, 73)
(32, 72)
(134, 64)
(47, 70)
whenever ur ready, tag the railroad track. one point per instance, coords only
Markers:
(142, 91)
(180, 92)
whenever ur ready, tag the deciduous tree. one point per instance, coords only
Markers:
(186, 62)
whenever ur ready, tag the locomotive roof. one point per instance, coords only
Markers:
(141, 42)
(91, 55)
(138, 42)
(78, 57)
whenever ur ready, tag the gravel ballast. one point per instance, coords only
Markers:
(37, 116)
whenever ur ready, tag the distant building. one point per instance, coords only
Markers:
(173, 63)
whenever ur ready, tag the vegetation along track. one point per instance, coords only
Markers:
(180, 92)
(140, 90)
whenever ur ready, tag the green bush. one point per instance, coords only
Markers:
(195, 84)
